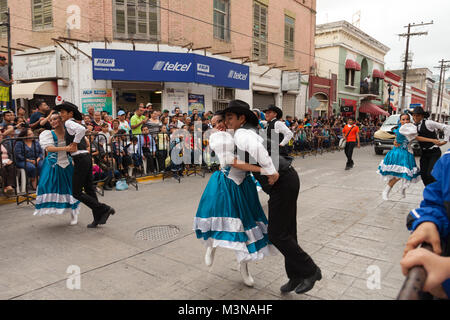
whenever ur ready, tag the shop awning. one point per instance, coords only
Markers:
(378, 74)
(373, 109)
(29, 89)
(350, 64)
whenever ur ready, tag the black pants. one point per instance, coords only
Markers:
(283, 225)
(427, 161)
(9, 176)
(161, 156)
(83, 179)
(150, 160)
(349, 146)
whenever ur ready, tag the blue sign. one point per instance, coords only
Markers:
(167, 67)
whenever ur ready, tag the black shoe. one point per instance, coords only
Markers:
(106, 215)
(290, 285)
(347, 167)
(94, 224)
(352, 165)
(308, 283)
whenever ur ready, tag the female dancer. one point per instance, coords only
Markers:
(54, 193)
(400, 164)
(229, 214)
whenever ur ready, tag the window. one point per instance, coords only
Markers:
(289, 27)
(136, 19)
(260, 32)
(222, 19)
(350, 77)
(42, 14)
(3, 17)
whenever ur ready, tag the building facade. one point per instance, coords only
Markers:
(64, 34)
(352, 55)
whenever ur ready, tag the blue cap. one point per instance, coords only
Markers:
(121, 113)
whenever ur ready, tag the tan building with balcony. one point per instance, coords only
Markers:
(268, 36)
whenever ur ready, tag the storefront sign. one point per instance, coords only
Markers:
(167, 67)
(35, 66)
(196, 101)
(291, 81)
(176, 98)
(100, 99)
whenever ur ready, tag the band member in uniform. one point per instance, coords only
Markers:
(429, 143)
(283, 188)
(82, 174)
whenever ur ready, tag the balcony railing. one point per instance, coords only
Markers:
(372, 88)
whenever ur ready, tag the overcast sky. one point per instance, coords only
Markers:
(385, 19)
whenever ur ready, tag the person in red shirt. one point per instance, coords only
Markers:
(351, 134)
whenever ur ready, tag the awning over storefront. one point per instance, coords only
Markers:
(378, 74)
(350, 64)
(29, 89)
(373, 109)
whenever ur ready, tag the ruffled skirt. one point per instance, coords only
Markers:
(400, 163)
(54, 191)
(230, 216)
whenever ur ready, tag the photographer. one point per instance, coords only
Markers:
(431, 224)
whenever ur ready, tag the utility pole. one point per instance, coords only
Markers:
(442, 75)
(405, 69)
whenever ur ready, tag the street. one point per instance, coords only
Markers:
(342, 223)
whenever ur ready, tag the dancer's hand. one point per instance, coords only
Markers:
(425, 232)
(73, 147)
(272, 179)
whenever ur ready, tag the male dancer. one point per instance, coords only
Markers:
(82, 173)
(283, 189)
(430, 151)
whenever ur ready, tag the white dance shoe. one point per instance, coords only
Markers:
(248, 279)
(74, 220)
(386, 192)
(209, 256)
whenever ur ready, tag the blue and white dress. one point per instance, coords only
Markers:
(229, 214)
(54, 191)
(400, 161)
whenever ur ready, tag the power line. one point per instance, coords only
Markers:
(441, 85)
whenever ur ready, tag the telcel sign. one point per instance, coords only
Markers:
(167, 67)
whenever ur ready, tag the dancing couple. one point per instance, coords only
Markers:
(63, 177)
(230, 214)
(399, 165)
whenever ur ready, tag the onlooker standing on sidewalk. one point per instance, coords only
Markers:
(41, 118)
(351, 134)
(138, 120)
(147, 149)
(7, 169)
(5, 83)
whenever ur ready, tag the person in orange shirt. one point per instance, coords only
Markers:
(351, 134)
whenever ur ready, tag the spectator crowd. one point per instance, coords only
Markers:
(143, 142)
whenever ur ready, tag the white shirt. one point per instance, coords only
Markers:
(435, 126)
(247, 140)
(280, 127)
(46, 140)
(77, 130)
(222, 144)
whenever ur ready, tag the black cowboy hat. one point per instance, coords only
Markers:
(241, 107)
(275, 109)
(70, 107)
(419, 110)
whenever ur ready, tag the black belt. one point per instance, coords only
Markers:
(80, 155)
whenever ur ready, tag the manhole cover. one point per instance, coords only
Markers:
(157, 233)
